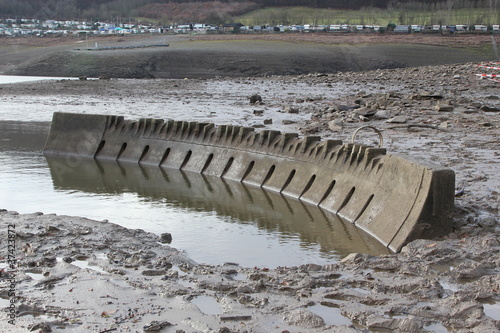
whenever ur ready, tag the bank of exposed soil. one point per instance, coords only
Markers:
(242, 55)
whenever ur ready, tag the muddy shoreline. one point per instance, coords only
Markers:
(127, 280)
(210, 56)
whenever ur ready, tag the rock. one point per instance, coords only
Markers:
(291, 109)
(156, 326)
(353, 258)
(390, 324)
(426, 96)
(397, 120)
(166, 238)
(288, 122)
(303, 318)
(486, 108)
(381, 114)
(335, 125)
(258, 112)
(467, 310)
(444, 125)
(268, 121)
(255, 98)
(347, 107)
(365, 112)
(154, 272)
(444, 107)
(40, 327)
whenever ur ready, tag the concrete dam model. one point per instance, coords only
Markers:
(393, 198)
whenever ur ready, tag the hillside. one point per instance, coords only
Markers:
(258, 11)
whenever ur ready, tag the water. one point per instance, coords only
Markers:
(331, 315)
(18, 79)
(214, 221)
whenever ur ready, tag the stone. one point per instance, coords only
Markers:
(268, 121)
(335, 125)
(397, 120)
(255, 98)
(303, 318)
(156, 326)
(166, 238)
(444, 107)
(381, 114)
(365, 112)
(291, 109)
(154, 272)
(486, 108)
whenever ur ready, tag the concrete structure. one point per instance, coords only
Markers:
(393, 198)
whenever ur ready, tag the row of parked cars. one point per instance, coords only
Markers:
(375, 28)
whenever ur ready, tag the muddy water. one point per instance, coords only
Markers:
(214, 221)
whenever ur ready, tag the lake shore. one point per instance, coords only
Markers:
(210, 56)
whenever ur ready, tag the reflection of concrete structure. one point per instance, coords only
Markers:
(393, 198)
(194, 191)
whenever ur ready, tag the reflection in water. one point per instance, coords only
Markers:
(192, 191)
(214, 220)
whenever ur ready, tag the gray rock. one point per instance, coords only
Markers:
(154, 272)
(397, 120)
(444, 108)
(381, 114)
(255, 98)
(335, 125)
(303, 318)
(40, 327)
(166, 238)
(156, 326)
(291, 109)
(486, 108)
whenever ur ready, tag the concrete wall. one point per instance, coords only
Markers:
(393, 198)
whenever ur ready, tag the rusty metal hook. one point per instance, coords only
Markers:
(381, 139)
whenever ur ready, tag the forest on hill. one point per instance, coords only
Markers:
(207, 11)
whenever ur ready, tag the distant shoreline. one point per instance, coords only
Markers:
(209, 56)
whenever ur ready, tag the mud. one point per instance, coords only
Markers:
(212, 56)
(126, 280)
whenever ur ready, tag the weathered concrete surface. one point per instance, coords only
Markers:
(393, 198)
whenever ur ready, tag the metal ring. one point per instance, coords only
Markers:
(381, 139)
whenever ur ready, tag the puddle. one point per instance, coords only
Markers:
(207, 305)
(449, 286)
(443, 268)
(4, 302)
(35, 276)
(492, 310)
(178, 270)
(239, 277)
(39, 316)
(361, 291)
(436, 328)
(186, 283)
(84, 264)
(331, 315)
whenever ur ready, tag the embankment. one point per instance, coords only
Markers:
(206, 58)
